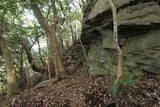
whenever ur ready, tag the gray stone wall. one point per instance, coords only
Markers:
(139, 35)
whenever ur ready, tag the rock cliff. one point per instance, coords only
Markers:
(139, 35)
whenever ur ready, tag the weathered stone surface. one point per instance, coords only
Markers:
(141, 51)
(108, 39)
(134, 15)
(141, 14)
(99, 63)
(139, 35)
(102, 6)
(139, 43)
(144, 51)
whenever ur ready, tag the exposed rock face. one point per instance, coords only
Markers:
(139, 35)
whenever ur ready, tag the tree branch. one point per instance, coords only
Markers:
(40, 17)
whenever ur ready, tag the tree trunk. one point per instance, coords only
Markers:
(51, 72)
(12, 79)
(22, 72)
(31, 60)
(27, 47)
(115, 39)
(50, 31)
(40, 53)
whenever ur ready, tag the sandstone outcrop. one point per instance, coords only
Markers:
(139, 35)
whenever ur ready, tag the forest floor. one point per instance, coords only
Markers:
(84, 90)
(81, 89)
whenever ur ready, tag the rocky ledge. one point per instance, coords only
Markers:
(139, 35)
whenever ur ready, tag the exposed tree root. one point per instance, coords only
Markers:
(46, 82)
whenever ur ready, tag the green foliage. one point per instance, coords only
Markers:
(8, 7)
(19, 22)
(3, 81)
(114, 89)
(127, 81)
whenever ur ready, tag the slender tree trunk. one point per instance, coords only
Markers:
(51, 68)
(50, 31)
(22, 73)
(21, 63)
(72, 35)
(12, 79)
(61, 45)
(49, 61)
(40, 53)
(115, 38)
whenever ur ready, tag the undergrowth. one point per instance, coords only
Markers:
(127, 81)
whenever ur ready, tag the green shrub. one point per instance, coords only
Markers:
(126, 81)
